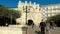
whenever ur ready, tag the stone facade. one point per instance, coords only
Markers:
(35, 12)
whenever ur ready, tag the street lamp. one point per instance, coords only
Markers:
(26, 14)
(26, 18)
(26, 9)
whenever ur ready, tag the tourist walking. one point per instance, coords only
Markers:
(42, 27)
(47, 27)
(33, 25)
(52, 24)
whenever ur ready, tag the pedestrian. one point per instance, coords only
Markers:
(42, 27)
(52, 24)
(47, 27)
(32, 25)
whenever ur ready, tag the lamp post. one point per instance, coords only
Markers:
(27, 11)
(26, 18)
(26, 14)
(25, 8)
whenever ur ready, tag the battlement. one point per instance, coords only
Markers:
(26, 2)
(30, 6)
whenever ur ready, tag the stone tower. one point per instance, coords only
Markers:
(33, 12)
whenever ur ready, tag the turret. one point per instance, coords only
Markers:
(30, 3)
(26, 2)
(38, 5)
(19, 4)
(34, 3)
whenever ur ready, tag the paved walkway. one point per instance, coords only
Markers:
(56, 30)
(31, 30)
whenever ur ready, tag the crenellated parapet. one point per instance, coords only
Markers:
(30, 6)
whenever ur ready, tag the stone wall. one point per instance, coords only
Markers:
(13, 29)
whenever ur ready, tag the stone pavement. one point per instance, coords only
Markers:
(56, 30)
(31, 30)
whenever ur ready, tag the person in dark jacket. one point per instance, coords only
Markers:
(42, 27)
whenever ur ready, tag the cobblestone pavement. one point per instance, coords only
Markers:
(56, 30)
(31, 30)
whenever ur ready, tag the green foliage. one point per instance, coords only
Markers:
(14, 13)
(2, 11)
(7, 12)
(54, 18)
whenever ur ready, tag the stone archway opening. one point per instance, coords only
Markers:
(30, 22)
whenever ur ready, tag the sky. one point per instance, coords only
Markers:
(14, 3)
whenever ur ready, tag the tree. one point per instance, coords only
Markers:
(7, 12)
(8, 15)
(54, 18)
